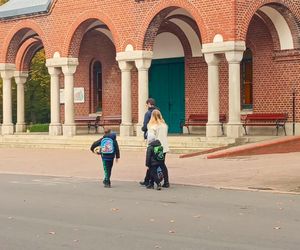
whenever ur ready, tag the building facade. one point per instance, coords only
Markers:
(192, 56)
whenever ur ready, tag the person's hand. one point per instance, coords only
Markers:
(117, 159)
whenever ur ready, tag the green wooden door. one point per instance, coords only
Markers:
(166, 86)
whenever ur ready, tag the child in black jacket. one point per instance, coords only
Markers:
(154, 159)
(108, 149)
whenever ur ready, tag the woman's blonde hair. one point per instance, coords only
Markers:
(156, 118)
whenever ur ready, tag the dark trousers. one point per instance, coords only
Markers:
(153, 175)
(164, 170)
(107, 166)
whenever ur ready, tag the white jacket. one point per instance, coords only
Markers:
(161, 133)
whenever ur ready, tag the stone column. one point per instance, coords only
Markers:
(143, 66)
(55, 127)
(69, 128)
(126, 128)
(20, 78)
(234, 128)
(213, 128)
(7, 74)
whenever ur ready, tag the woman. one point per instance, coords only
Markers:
(159, 128)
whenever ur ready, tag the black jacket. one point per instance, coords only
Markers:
(150, 159)
(146, 120)
(116, 147)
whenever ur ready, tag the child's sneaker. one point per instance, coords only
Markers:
(158, 186)
(150, 186)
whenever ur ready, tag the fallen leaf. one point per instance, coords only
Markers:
(52, 232)
(115, 209)
(276, 228)
(172, 221)
(171, 231)
(197, 216)
(157, 246)
(76, 240)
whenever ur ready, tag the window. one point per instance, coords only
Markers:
(247, 80)
(96, 100)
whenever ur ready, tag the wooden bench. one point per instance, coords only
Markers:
(110, 120)
(266, 119)
(201, 120)
(89, 121)
(98, 121)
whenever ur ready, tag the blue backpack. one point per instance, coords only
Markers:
(107, 146)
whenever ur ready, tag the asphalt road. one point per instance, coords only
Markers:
(38, 212)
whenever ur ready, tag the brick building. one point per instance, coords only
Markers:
(196, 56)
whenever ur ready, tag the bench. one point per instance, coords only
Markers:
(89, 121)
(110, 120)
(201, 120)
(98, 121)
(267, 119)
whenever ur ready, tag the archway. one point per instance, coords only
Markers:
(176, 43)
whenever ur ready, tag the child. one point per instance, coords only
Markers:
(154, 161)
(109, 149)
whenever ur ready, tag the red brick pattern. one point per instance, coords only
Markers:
(64, 30)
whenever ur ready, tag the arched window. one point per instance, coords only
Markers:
(96, 87)
(247, 80)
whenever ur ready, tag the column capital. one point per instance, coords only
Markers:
(20, 77)
(7, 74)
(59, 62)
(212, 59)
(125, 65)
(143, 64)
(53, 71)
(222, 47)
(69, 69)
(234, 56)
(133, 55)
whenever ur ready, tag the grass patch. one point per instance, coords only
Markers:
(39, 128)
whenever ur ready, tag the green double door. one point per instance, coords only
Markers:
(166, 86)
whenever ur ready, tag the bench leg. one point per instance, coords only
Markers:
(222, 127)
(284, 129)
(277, 128)
(188, 129)
(245, 129)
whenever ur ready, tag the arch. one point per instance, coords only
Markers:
(78, 28)
(26, 52)
(15, 38)
(283, 7)
(156, 15)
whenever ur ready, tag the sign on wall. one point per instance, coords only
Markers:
(78, 95)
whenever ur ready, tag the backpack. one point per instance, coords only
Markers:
(160, 174)
(107, 146)
(158, 153)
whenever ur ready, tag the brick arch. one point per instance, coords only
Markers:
(156, 15)
(26, 52)
(246, 13)
(14, 39)
(75, 34)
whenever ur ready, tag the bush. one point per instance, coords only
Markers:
(39, 128)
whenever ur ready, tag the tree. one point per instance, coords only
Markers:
(3, 1)
(37, 91)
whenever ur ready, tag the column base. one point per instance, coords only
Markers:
(20, 127)
(69, 129)
(55, 129)
(213, 130)
(7, 129)
(126, 130)
(139, 132)
(234, 130)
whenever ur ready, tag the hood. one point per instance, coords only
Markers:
(155, 143)
(111, 136)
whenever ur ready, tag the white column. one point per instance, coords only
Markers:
(143, 66)
(7, 125)
(20, 78)
(69, 128)
(55, 127)
(126, 128)
(234, 128)
(213, 128)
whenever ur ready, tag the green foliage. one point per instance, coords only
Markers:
(37, 91)
(39, 128)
